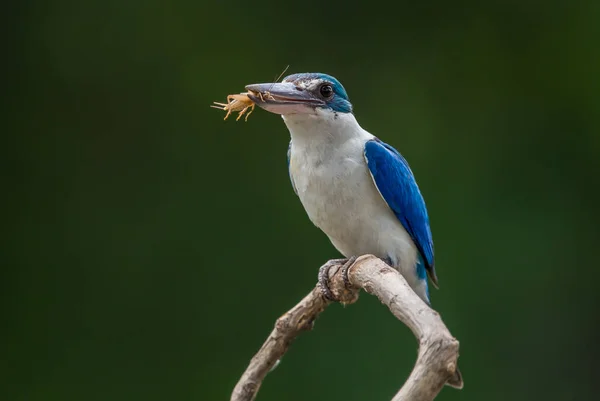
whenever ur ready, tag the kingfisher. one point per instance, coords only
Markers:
(356, 188)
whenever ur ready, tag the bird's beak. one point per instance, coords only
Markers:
(283, 98)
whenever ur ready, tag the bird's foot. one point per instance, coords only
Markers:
(323, 282)
(349, 262)
(323, 278)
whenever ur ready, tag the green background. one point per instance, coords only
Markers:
(149, 246)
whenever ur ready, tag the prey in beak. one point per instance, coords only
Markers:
(284, 98)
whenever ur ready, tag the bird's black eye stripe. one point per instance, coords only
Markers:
(326, 90)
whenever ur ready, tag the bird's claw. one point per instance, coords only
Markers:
(345, 269)
(323, 278)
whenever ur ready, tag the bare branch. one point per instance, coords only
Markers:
(438, 351)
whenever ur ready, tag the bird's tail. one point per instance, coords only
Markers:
(456, 380)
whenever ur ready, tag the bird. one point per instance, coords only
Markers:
(357, 189)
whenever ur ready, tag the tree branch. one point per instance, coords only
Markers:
(438, 351)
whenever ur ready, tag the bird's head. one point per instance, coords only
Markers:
(307, 93)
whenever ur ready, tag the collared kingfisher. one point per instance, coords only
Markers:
(357, 189)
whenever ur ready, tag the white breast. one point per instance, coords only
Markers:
(335, 187)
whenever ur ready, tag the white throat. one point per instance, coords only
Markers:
(323, 128)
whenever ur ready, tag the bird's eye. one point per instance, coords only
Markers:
(326, 91)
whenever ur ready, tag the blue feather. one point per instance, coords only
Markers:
(396, 184)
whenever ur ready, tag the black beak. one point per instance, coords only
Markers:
(284, 93)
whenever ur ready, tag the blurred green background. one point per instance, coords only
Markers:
(149, 246)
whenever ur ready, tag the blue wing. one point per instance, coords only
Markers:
(396, 184)
(288, 163)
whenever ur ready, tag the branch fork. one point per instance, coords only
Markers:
(438, 350)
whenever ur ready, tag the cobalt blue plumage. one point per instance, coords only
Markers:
(396, 184)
